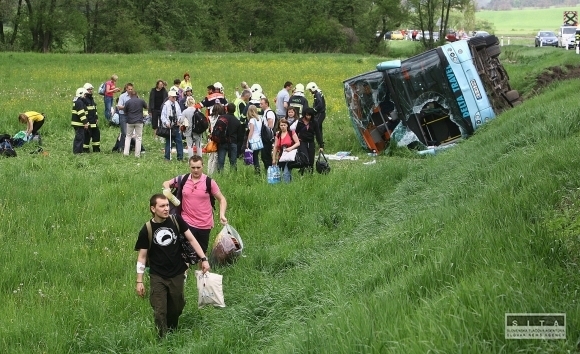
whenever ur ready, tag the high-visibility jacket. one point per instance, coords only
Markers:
(79, 113)
(240, 105)
(210, 100)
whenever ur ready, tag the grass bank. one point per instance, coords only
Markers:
(407, 255)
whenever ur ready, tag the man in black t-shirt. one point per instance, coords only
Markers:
(166, 266)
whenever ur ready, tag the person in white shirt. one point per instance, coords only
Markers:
(170, 118)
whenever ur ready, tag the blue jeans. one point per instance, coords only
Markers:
(286, 172)
(175, 136)
(232, 149)
(108, 105)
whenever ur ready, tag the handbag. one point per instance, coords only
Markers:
(189, 255)
(209, 286)
(248, 157)
(256, 144)
(211, 146)
(288, 156)
(301, 159)
(322, 166)
(163, 132)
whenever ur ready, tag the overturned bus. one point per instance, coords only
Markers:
(431, 99)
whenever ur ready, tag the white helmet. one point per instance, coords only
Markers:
(256, 96)
(256, 88)
(219, 86)
(88, 86)
(81, 92)
(311, 86)
(299, 88)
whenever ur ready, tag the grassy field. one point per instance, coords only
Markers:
(525, 22)
(408, 255)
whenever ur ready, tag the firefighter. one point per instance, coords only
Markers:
(298, 100)
(79, 120)
(319, 104)
(93, 132)
(215, 94)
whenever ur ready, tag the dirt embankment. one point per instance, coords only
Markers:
(555, 73)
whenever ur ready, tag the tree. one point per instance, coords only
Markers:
(458, 5)
(426, 12)
(384, 15)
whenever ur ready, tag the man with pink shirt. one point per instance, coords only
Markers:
(197, 200)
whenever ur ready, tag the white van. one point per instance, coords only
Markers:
(566, 36)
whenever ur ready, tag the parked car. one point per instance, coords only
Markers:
(451, 36)
(567, 36)
(427, 36)
(432, 99)
(480, 34)
(546, 38)
(397, 35)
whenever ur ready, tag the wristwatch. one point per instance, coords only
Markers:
(204, 259)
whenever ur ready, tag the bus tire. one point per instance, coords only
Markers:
(478, 42)
(493, 51)
(512, 96)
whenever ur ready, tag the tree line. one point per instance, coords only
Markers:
(519, 4)
(130, 26)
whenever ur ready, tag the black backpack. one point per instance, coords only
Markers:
(219, 133)
(199, 122)
(266, 133)
(7, 146)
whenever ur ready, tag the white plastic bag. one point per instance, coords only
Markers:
(227, 246)
(209, 286)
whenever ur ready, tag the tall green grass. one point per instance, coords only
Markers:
(527, 21)
(408, 255)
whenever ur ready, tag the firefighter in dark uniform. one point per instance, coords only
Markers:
(298, 100)
(79, 120)
(319, 104)
(93, 132)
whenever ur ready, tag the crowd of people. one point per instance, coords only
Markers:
(245, 123)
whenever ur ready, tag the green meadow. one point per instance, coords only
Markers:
(525, 22)
(412, 254)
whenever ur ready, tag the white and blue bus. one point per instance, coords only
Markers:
(431, 99)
